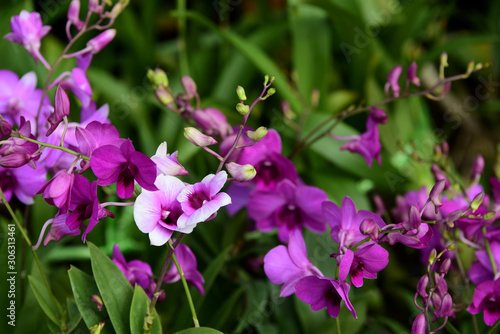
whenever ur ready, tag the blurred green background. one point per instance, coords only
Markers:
(326, 55)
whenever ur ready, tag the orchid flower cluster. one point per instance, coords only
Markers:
(82, 157)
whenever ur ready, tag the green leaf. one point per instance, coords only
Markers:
(43, 298)
(115, 289)
(199, 330)
(84, 287)
(138, 310)
(74, 315)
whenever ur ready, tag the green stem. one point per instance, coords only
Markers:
(61, 148)
(186, 287)
(492, 330)
(35, 255)
(490, 254)
(338, 325)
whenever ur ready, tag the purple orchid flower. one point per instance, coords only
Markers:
(58, 229)
(487, 299)
(345, 221)
(392, 81)
(201, 201)
(123, 165)
(19, 97)
(167, 164)
(17, 152)
(28, 31)
(157, 212)
(136, 272)
(58, 190)
(187, 262)
(23, 182)
(85, 205)
(321, 292)
(367, 144)
(78, 83)
(212, 122)
(287, 266)
(482, 270)
(365, 262)
(288, 208)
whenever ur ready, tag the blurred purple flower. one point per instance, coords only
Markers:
(487, 299)
(321, 292)
(212, 122)
(23, 182)
(187, 262)
(58, 229)
(157, 212)
(19, 97)
(289, 208)
(16, 151)
(136, 271)
(482, 270)
(78, 83)
(28, 31)
(201, 201)
(287, 266)
(392, 81)
(123, 165)
(411, 75)
(366, 144)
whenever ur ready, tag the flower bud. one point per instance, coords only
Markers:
(258, 134)
(117, 9)
(444, 59)
(414, 220)
(436, 301)
(435, 194)
(5, 129)
(97, 301)
(432, 256)
(489, 215)
(453, 216)
(445, 266)
(266, 79)
(158, 78)
(242, 109)
(378, 115)
(476, 202)
(97, 43)
(470, 69)
(440, 175)
(477, 168)
(446, 306)
(370, 228)
(94, 6)
(164, 96)
(240, 91)
(198, 138)
(422, 286)
(392, 81)
(61, 110)
(74, 14)
(15, 160)
(189, 86)
(419, 325)
(241, 173)
(445, 147)
(271, 91)
(412, 74)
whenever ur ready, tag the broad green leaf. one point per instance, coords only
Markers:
(199, 330)
(257, 296)
(43, 297)
(74, 315)
(84, 287)
(138, 310)
(115, 289)
(311, 42)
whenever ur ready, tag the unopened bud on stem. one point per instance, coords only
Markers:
(240, 91)
(258, 134)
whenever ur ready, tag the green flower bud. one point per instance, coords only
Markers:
(266, 79)
(444, 59)
(164, 96)
(157, 78)
(241, 173)
(241, 93)
(489, 215)
(476, 202)
(451, 247)
(271, 91)
(198, 138)
(242, 108)
(258, 134)
(432, 256)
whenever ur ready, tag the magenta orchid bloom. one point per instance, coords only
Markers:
(136, 272)
(287, 266)
(288, 208)
(366, 144)
(201, 201)
(486, 299)
(167, 164)
(321, 292)
(157, 212)
(23, 182)
(123, 165)
(58, 190)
